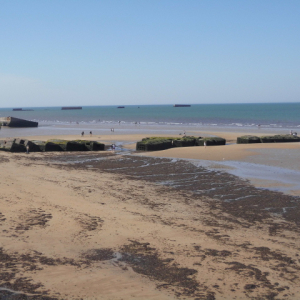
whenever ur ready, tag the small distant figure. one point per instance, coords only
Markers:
(27, 149)
(113, 146)
(204, 144)
(291, 133)
(119, 122)
(82, 133)
(91, 133)
(184, 134)
(258, 126)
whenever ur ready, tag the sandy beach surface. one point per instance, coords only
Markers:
(189, 223)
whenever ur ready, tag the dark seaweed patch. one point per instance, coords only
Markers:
(14, 286)
(145, 260)
(99, 254)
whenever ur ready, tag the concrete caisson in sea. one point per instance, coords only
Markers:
(16, 122)
(22, 109)
(71, 107)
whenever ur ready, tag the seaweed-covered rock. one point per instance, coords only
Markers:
(13, 145)
(154, 144)
(19, 145)
(86, 145)
(95, 146)
(284, 138)
(162, 143)
(186, 141)
(210, 141)
(20, 141)
(76, 146)
(5, 145)
(35, 146)
(56, 145)
(248, 139)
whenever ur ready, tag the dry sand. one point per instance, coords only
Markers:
(104, 227)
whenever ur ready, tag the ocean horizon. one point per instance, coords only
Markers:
(273, 117)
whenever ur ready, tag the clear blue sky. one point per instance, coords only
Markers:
(71, 52)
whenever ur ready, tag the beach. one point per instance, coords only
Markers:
(150, 150)
(185, 223)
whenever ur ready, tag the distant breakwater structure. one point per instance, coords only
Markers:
(22, 109)
(71, 107)
(16, 122)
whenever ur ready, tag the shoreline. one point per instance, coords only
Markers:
(234, 158)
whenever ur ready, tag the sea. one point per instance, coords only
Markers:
(276, 117)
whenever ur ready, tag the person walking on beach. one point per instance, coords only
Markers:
(27, 149)
(204, 144)
(91, 133)
(82, 133)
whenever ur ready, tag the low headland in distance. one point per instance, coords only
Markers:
(216, 222)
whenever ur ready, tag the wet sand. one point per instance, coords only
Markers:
(273, 166)
(129, 226)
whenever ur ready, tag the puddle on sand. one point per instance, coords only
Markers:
(262, 176)
(9, 294)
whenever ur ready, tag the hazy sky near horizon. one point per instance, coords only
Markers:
(113, 52)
